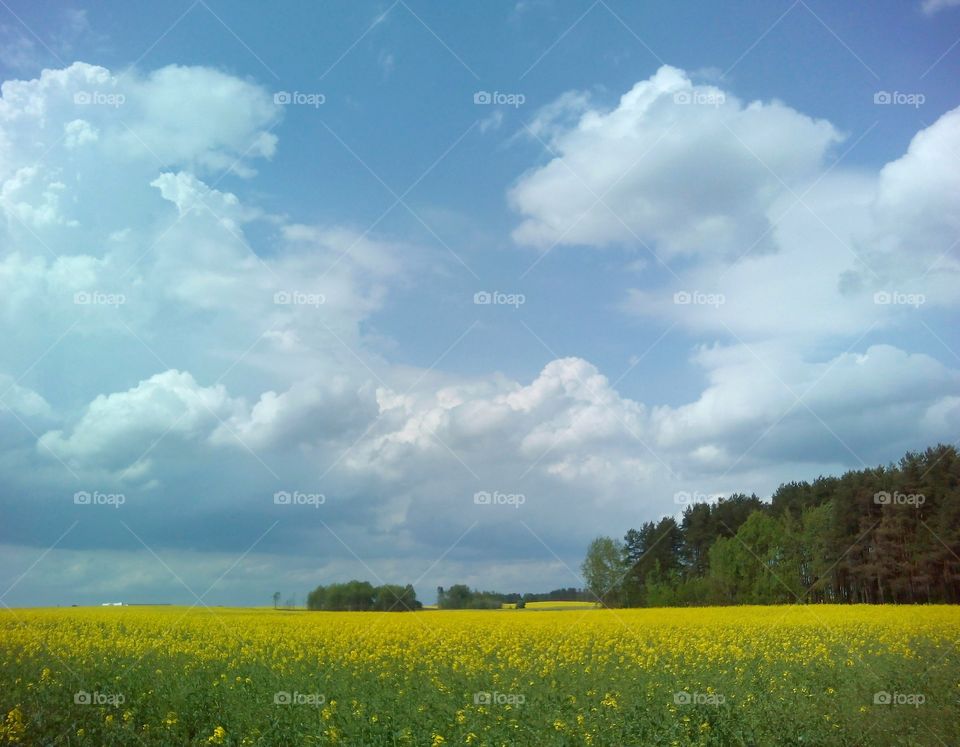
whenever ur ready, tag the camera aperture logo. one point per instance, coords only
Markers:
(887, 698)
(688, 498)
(496, 498)
(699, 298)
(896, 498)
(499, 699)
(498, 298)
(96, 498)
(700, 97)
(299, 98)
(296, 498)
(96, 698)
(497, 98)
(98, 298)
(899, 98)
(285, 697)
(684, 698)
(299, 298)
(99, 98)
(899, 298)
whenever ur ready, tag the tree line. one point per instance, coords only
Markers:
(462, 597)
(883, 535)
(362, 596)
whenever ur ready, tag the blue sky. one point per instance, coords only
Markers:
(733, 232)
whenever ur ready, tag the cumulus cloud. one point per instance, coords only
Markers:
(915, 219)
(22, 400)
(689, 169)
(119, 207)
(310, 412)
(115, 429)
(570, 423)
(193, 117)
(852, 252)
(773, 401)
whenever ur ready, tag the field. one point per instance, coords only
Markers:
(555, 605)
(717, 676)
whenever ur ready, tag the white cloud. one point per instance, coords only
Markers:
(79, 132)
(310, 412)
(688, 169)
(22, 400)
(179, 117)
(934, 6)
(860, 399)
(916, 218)
(31, 196)
(199, 117)
(570, 422)
(115, 429)
(852, 236)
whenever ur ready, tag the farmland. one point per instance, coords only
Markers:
(826, 675)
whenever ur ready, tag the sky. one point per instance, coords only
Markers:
(436, 293)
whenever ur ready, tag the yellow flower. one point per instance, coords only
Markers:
(609, 701)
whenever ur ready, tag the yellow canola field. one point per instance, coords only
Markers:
(844, 675)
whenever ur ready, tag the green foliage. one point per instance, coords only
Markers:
(888, 534)
(604, 570)
(462, 597)
(361, 596)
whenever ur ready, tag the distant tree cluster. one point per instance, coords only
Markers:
(889, 534)
(570, 594)
(462, 597)
(361, 596)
